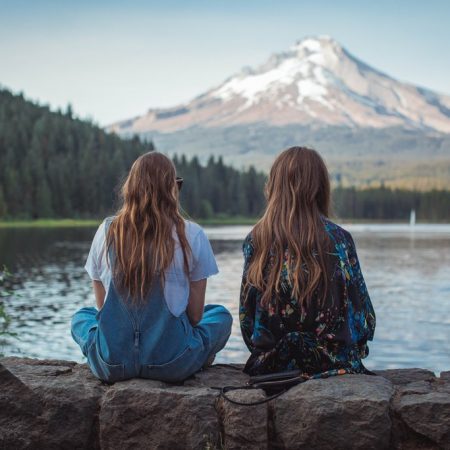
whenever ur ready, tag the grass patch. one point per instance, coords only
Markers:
(227, 221)
(75, 223)
(50, 223)
(213, 221)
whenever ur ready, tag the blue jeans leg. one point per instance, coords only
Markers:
(215, 328)
(83, 322)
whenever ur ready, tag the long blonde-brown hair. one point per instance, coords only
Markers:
(291, 230)
(141, 233)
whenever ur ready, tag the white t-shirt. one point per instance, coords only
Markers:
(202, 264)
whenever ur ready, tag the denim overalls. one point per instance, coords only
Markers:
(124, 341)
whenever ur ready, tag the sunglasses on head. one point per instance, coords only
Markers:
(179, 181)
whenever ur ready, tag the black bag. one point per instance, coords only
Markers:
(273, 384)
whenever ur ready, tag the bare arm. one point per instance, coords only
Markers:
(99, 292)
(196, 301)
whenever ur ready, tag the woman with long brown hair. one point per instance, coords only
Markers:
(149, 268)
(304, 303)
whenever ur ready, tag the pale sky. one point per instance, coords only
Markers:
(114, 59)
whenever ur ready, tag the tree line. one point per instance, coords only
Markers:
(219, 190)
(391, 204)
(53, 165)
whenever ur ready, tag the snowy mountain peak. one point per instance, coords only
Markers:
(316, 82)
(288, 78)
(322, 51)
(317, 44)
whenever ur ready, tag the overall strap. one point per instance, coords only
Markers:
(128, 309)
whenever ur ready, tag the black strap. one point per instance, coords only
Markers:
(275, 384)
(228, 366)
(276, 376)
(223, 393)
(267, 383)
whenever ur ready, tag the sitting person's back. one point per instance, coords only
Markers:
(149, 269)
(304, 303)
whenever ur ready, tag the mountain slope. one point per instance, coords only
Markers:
(371, 128)
(316, 83)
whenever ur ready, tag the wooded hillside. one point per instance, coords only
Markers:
(53, 165)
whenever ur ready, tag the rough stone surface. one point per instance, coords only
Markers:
(346, 412)
(445, 376)
(60, 405)
(19, 407)
(69, 395)
(219, 375)
(428, 415)
(235, 419)
(149, 414)
(406, 376)
(423, 409)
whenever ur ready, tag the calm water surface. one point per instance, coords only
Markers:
(407, 271)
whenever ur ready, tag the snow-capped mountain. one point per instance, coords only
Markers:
(315, 83)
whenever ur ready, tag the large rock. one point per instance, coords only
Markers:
(152, 415)
(244, 426)
(345, 412)
(405, 376)
(60, 405)
(19, 407)
(422, 411)
(445, 376)
(241, 426)
(69, 396)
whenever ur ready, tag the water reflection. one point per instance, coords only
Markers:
(407, 273)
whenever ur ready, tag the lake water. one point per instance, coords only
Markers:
(407, 271)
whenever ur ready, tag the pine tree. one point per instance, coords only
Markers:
(3, 207)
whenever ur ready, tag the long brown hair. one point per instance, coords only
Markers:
(298, 196)
(142, 231)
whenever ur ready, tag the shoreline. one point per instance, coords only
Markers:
(80, 223)
(219, 221)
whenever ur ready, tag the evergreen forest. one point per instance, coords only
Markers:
(53, 165)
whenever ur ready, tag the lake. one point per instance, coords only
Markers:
(407, 272)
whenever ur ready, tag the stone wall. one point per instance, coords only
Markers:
(60, 405)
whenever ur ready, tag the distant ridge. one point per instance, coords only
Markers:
(317, 83)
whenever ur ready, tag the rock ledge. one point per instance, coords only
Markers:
(59, 404)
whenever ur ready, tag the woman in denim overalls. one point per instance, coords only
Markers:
(149, 269)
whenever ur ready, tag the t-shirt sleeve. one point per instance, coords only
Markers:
(93, 264)
(204, 263)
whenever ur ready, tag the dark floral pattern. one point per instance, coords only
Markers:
(320, 340)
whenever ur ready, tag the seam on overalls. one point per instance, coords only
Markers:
(134, 323)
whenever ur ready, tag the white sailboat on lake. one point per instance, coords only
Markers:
(412, 218)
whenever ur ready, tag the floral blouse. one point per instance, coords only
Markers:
(319, 340)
